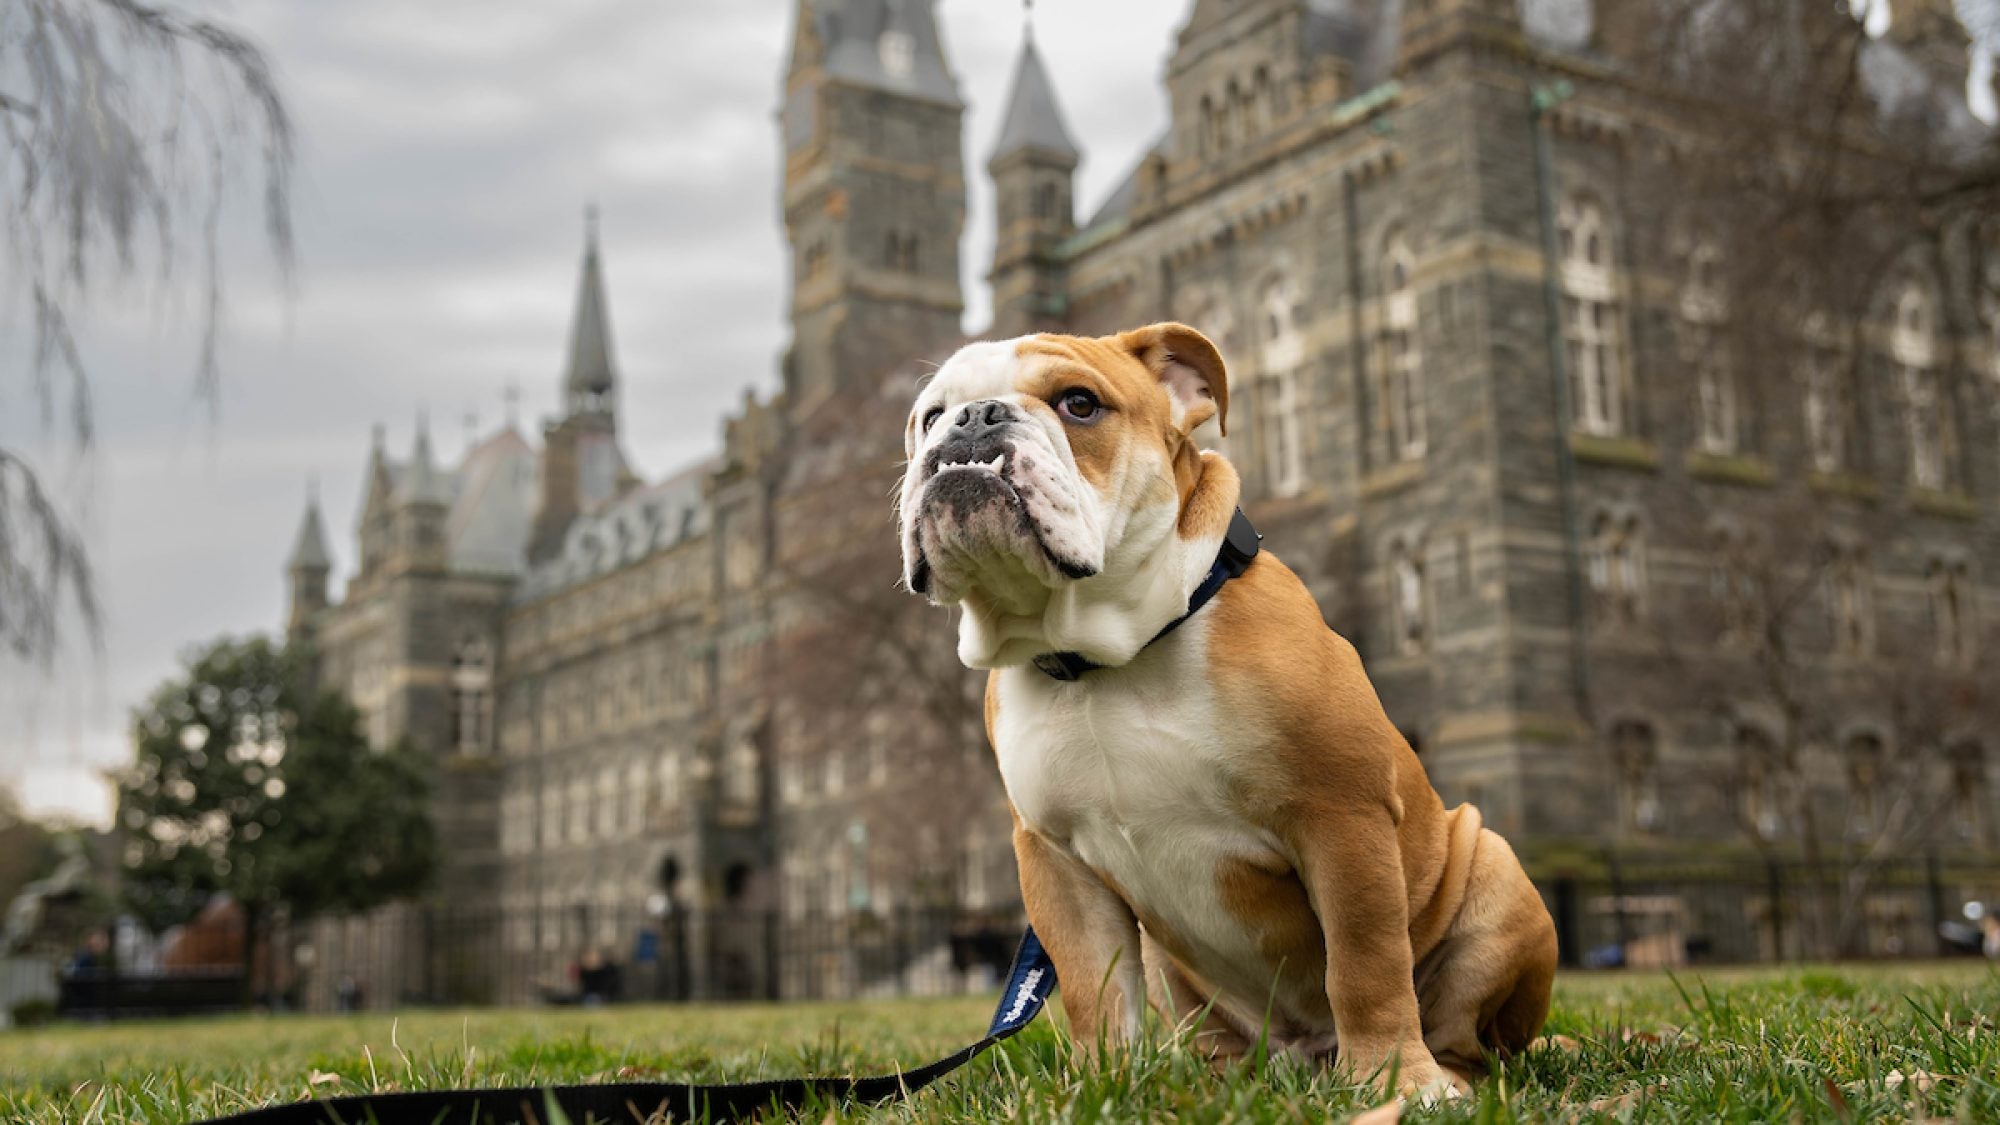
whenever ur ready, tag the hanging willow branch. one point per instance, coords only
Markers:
(125, 129)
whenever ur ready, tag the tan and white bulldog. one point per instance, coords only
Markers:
(1224, 815)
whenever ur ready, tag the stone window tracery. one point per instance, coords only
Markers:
(1635, 756)
(471, 695)
(1914, 348)
(1704, 308)
(1408, 599)
(1948, 588)
(1852, 602)
(1616, 567)
(1403, 375)
(1277, 390)
(1593, 335)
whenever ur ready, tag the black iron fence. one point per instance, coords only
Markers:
(1662, 912)
(1611, 910)
(593, 953)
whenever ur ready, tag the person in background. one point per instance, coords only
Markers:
(597, 979)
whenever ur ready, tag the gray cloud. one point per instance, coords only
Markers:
(447, 150)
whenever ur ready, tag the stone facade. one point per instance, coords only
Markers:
(1464, 403)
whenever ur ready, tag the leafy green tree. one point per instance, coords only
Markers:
(249, 781)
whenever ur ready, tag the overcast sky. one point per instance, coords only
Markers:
(446, 152)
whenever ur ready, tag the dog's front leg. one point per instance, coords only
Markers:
(1091, 936)
(1354, 877)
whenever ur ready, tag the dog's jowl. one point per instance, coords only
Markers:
(1218, 820)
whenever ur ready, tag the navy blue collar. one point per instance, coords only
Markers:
(1239, 547)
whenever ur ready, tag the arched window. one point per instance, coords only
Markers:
(1735, 581)
(552, 815)
(1829, 403)
(669, 768)
(1260, 100)
(1211, 138)
(1048, 201)
(740, 784)
(1969, 793)
(1864, 760)
(1277, 389)
(1913, 346)
(1409, 599)
(607, 804)
(579, 810)
(1402, 359)
(1851, 602)
(1764, 781)
(1635, 756)
(901, 252)
(1704, 307)
(471, 695)
(1616, 565)
(1948, 589)
(1593, 332)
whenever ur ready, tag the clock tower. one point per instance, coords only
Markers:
(874, 195)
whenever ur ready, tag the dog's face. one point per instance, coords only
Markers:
(1044, 463)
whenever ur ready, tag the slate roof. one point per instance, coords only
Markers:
(642, 522)
(865, 42)
(499, 485)
(309, 552)
(589, 371)
(1034, 119)
(1365, 33)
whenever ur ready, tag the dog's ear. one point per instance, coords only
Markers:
(1189, 367)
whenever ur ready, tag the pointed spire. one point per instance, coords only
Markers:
(1033, 120)
(589, 383)
(379, 483)
(309, 552)
(427, 485)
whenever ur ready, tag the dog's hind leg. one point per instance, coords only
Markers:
(1484, 990)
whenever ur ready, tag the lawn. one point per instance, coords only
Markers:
(1910, 1042)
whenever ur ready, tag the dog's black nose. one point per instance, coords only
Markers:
(977, 419)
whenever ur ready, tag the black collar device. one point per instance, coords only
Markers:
(1239, 547)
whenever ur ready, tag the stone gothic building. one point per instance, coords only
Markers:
(1488, 401)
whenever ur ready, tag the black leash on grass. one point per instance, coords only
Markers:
(1029, 983)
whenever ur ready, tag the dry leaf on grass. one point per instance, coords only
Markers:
(629, 1072)
(1555, 1043)
(1920, 1080)
(1626, 1100)
(322, 1078)
(1388, 1113)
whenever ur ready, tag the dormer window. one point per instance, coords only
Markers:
(898, 52)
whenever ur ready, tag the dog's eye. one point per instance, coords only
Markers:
(931, 416)
(1078, 404)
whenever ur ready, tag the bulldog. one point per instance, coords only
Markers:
(1212, 814)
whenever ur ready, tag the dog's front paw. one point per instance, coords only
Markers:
(1431, 1094)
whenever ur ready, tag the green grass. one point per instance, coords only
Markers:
(1743, 1045)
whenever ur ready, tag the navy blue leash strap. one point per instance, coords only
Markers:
(1029, 983)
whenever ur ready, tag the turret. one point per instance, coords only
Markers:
(1432, 27)
(874, 198)
(376, 505)
(422, 505)
(308, 570)
(1033, 168)
(582, 465)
